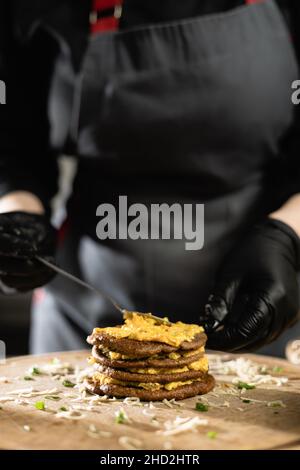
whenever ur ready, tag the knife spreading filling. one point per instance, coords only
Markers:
(149, 358)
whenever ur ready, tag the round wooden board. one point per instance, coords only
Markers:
(231, 422)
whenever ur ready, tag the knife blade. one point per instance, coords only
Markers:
(78, 281)
(99, 292)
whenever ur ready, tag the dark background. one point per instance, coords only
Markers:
(14, 323)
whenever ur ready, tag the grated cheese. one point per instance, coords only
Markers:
(253, 400)
(244, 370)
(92, 400)
(276, 404)
(21, 391)
(146, 413)
(55, 367)
(92, 428)
(180, 425)
(154, 422)
(134, 401)
(130, 443)
(84, 408)
(270, 404)
(7, 398)
(96, 433)
(71, 414)
(167, 403)
(212, 404)
(171, 403)
(19, 401)
(31, 392)
(293, 351)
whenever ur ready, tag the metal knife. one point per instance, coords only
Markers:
(99, 292)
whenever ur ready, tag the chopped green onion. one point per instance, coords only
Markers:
(211, 434)
(68, 383)
(40, 405)
(121, 417)
(246, 386)
(27, 377)
(201, 407)
(52, 397)
(277, 369)
(34, 371)
(63, 408)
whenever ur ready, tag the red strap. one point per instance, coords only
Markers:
(100, 20)
(111, 23)
(103, 4)
(106, 24)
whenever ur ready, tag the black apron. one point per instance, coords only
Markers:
(191, 111)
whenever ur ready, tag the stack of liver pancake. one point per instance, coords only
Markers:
(149, 358)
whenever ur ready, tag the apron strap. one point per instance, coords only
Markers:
(105, 15)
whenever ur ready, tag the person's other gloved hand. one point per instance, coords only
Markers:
(22, 237)
(256, 295)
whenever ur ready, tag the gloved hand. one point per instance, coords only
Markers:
(22, 237)
(256, 295)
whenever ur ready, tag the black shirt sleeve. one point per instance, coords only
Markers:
(26, 160)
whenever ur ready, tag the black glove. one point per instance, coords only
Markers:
(22, 237)
(256, 296)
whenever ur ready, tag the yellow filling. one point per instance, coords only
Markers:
(174, 356)
(101, 379)
(201, 364)
(145, 328)
(191, 353)
(115, 356)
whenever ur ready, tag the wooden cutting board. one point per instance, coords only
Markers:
(231, 422)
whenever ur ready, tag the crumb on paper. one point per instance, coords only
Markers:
(4, 380)
(130, 443)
